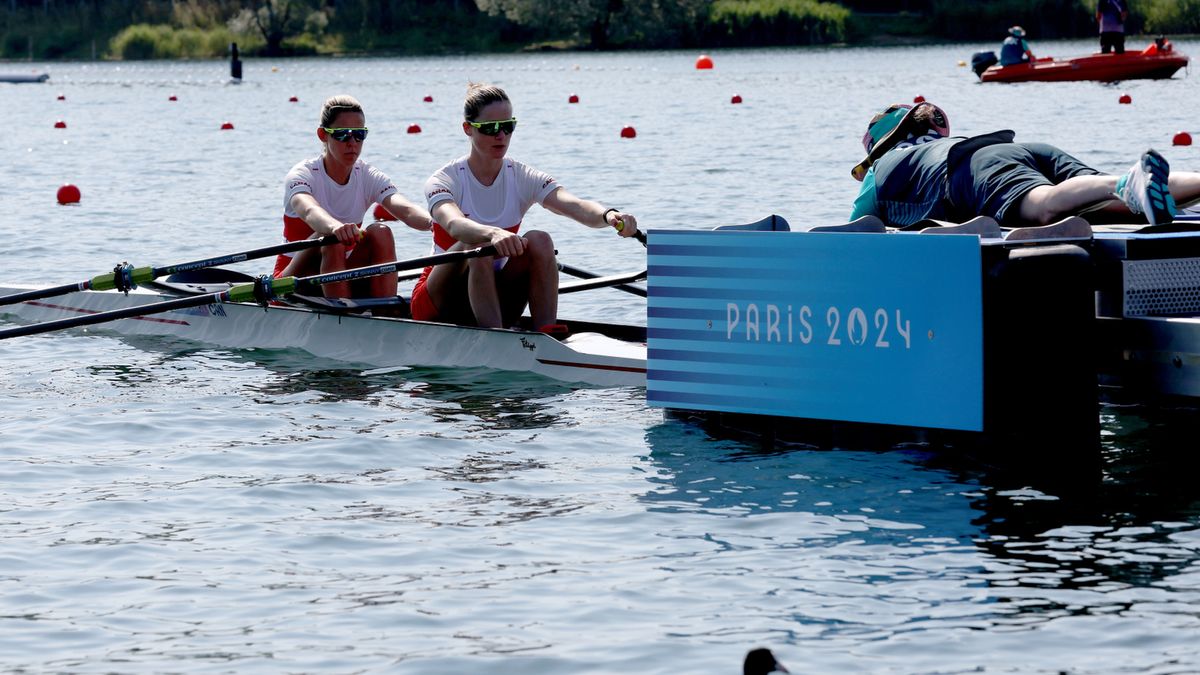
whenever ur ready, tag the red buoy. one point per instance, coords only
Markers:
(1125, 99)
(918, 99)
(60, 125)
(62, 97)
(428, 99)
(737, 98)
(382, 213)
(573, 99)
(628, 132)
(1182, 138)
(294, 99)
(68, 194)
(703, 62)
(226, 126)
(414, 128)
(172, 97)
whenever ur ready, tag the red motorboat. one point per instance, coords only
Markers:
(1158, 61)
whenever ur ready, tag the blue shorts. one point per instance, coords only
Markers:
(998, 176)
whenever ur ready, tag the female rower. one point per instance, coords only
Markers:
(480, 199)
(329, 195)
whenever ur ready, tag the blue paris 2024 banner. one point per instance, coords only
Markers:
(839, 326)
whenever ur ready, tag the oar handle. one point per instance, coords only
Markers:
(639, 235)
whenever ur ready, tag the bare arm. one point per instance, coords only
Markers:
(468, 231)
(311, 212)
(590, 213)
(412, 215)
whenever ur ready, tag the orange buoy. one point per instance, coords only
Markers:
(918, 99)
(628, 132)
(172, 97)
(428, 99)
(414, 128)
(62, 97)
(703, 62)
(226, 126)
(573, 99)
(294, 99)
(68, 194)
(60, 125)
(1182, 138)
(737, 98)
(382, 213)
(1125, 99)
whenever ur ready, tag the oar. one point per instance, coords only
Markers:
(584, 274)
(616, 280)
(125, 277)
(262, 291)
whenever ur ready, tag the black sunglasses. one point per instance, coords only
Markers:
(494, 128)
(343, 134)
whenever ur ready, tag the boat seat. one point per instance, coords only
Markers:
(863, 224)
(1072, 227)
(984, 226)
(771, 223)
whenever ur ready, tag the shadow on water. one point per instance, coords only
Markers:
(504, 400)
(1133, 523)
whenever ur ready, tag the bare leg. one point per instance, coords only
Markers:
(530, 279)
(1047, 203)
(376, 248)
(1185, 187)
(543, 278)
(446, 288)
(481, 290)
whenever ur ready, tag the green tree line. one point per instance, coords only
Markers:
(142, 29)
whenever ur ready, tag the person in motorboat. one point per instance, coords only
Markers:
(480, 199)
(1015, 49)
(329, 194)
(914, 170)
(1111, 15)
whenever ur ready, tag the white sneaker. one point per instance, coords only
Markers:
(1143, 189)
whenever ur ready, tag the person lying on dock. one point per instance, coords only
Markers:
(915, 170)
(329, 195)
(480, 199)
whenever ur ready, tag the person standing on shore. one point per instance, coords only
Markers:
(1111, 15)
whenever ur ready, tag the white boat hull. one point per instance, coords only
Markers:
(589, 358)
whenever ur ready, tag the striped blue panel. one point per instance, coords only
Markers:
(836, 326)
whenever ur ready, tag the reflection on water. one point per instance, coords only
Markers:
(1044, 547)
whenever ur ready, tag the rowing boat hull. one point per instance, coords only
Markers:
(18, 78)
(589, 358)
(1099, 67)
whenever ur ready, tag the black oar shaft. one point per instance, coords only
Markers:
(141, 275)
(615, 281)
(40, 293)
(112, 315)
(584, 274)
(253, 254)
(242, 293)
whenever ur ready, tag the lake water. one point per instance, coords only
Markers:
(171, 507)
